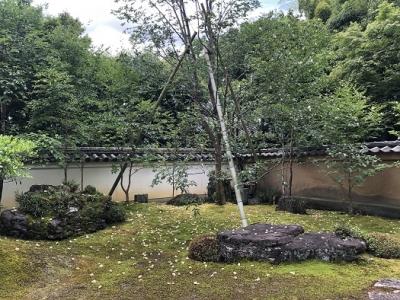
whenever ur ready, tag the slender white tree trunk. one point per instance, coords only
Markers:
(235, 180)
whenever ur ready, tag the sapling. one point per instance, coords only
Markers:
(350, 166)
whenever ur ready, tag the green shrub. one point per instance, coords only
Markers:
(90, 217)
(269, 196)
(204, 248)
(71, 186)
(185, 199)
(323, 11)
(38, 228)
(90, 190)
(114, 213)
(292, 205)
(383, 245)
(350, 231)
(347, 15)
(212, 188)
(35, 204)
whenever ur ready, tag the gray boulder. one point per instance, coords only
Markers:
(280, 243)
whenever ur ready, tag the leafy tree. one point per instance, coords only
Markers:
(346, 12)
(287, 78)
(168, 25)
(346, 117)
(349, 166)
(143, 129)
(176, 175)
(369, 58)
(323, 11)
(13, 154)
(347, 120)
(20, 51)
(339, 14)
(47, 149)
(53, 108)
(67, 43)
(396, 107)
(111, 86)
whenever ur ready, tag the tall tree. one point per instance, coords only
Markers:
(20, 51)
(169, 24)
(285, 81)
(369, 58)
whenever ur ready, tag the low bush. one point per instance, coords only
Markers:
(269, 196)
(292, 205)
(212, 188)
(71, 186)
(383, 245)
(204, 248)
(36, 204)
(90, 190)
(114, 214)
(90, 217)
(185, 199)
(350, 231)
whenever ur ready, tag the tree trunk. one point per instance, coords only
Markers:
(173, 179)
(220, 197)
(65, 173)
(350, 196)
(1, 188)
(118, 179)
(82, 175)
(128, 187)
(243, 123)
(283, 177)
(290, 176)
(290, 183)
(3, 117)
(172, 75)
(235, 180)
(126, 196)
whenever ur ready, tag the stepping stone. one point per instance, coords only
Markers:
(388, 283)
(385, 289)
(376, 295)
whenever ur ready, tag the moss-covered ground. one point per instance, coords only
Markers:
(146, 258)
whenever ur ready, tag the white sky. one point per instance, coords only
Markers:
(101, 25)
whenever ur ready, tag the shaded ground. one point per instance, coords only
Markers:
(146, 258)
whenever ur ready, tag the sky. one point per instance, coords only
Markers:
(101, 25)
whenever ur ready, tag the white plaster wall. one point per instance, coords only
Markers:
(100, 176)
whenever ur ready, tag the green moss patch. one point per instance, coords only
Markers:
(147, 258)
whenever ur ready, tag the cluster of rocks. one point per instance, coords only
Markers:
(280, 243)
(19, 225)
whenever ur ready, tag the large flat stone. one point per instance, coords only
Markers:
(279, 243)
(262, 234)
